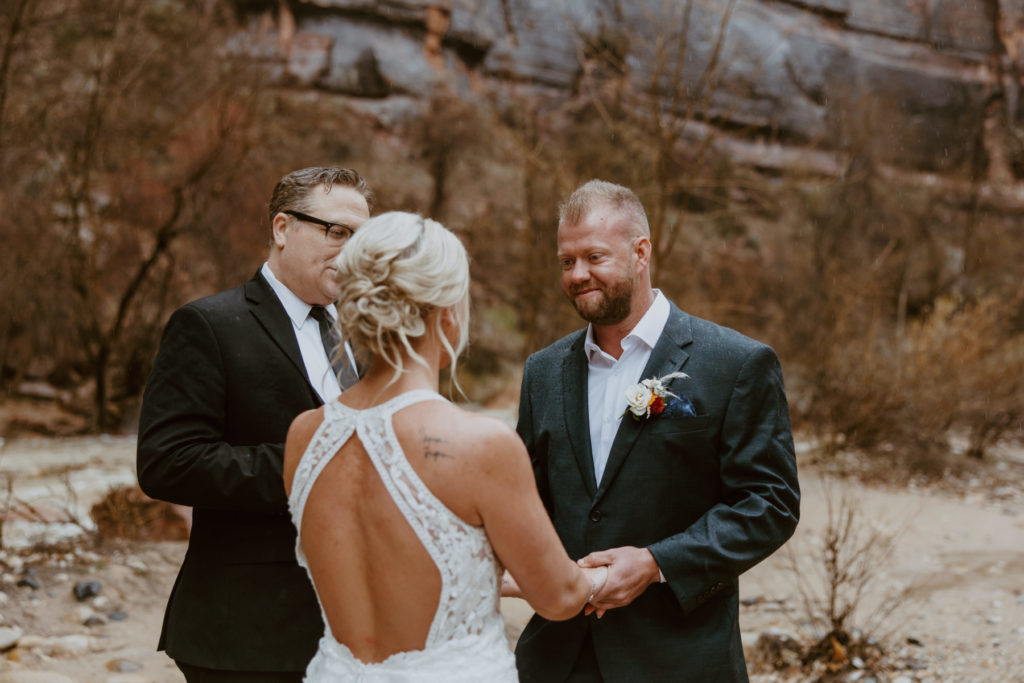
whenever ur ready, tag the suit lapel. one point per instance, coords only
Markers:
(577, 414)
(668, 356)
(268, 311)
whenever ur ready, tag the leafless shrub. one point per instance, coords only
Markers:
(899, 314)
(127, 512)
(651, 118)
(836, 574)
(140, 152)
(956, 368)
(61, 508)
(124, 123)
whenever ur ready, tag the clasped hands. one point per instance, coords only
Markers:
(630, 571)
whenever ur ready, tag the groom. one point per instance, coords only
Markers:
(232, 372)
(677, 501)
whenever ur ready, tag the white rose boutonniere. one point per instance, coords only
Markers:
(639, 397)
(648, 398)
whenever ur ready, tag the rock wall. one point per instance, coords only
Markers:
(939, 79)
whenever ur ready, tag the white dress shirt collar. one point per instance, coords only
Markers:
(321, 375)
(647, 330)
(297, 309)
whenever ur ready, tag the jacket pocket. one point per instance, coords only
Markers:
(682, 425)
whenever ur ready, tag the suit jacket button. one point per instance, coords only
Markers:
(595, 515)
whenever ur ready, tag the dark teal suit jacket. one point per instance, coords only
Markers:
(710, 496)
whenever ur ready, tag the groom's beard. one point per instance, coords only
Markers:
(611, 308)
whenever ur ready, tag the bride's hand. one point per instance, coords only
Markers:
(597, 576)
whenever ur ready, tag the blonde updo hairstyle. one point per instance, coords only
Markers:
(393, 273)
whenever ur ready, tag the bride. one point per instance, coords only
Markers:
(407, 506)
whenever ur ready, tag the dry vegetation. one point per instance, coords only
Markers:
(138, 144)
(883, 582)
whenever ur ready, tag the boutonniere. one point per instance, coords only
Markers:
(650, 398)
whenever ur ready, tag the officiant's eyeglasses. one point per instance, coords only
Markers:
(335, 233)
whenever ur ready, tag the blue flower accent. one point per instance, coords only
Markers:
(679, 406)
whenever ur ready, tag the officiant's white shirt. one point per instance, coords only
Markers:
(307, 333)
(608, 378)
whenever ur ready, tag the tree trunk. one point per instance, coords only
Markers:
(101, 416)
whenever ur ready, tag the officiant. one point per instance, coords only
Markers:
(232, 371)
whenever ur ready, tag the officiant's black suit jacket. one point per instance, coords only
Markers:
(226, 383)
(710, 495)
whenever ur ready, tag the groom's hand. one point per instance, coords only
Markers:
(630, 571)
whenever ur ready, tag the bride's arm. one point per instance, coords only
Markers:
(509, 587)
(300, 433)
(522, 535)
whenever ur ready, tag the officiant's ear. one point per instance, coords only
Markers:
(277, 229)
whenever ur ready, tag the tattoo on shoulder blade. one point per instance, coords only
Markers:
(432, 445)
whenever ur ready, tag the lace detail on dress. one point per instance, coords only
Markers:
(328, 438)
(468, 607)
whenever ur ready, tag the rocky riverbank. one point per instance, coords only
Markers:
(956, 574)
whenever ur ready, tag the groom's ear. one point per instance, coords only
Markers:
(642, 250)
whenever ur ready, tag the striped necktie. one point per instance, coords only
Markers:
(336, 353)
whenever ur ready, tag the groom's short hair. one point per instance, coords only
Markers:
(595, 193)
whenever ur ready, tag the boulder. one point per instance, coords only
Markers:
(803, 73)
(953, 25)
(9, 637)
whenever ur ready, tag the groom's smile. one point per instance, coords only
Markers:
(597, 275)
(604, 305)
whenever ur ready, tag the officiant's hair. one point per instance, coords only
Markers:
(294, 189)
(595, 193)
(397, 269)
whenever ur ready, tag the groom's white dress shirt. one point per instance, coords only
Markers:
(307, 333)
(608, 378)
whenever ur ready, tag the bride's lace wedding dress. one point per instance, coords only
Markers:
(466, 641)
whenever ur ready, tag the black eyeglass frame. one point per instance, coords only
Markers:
(326, 226)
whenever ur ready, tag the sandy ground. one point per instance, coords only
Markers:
(956, 577)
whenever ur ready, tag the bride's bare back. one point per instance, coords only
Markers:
(377, 583)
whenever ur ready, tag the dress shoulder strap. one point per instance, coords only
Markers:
(335, 429)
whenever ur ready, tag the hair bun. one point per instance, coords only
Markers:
(396, 270)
